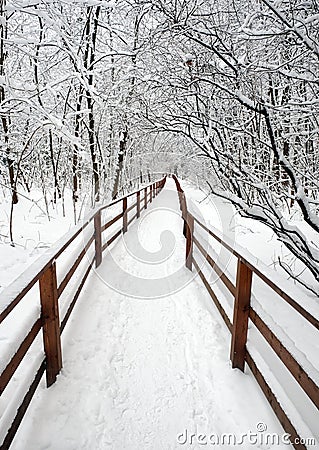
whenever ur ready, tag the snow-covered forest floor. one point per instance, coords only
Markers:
(35, 229)
(146, 355)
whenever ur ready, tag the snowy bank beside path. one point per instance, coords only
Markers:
(146, 356)
(33, 232)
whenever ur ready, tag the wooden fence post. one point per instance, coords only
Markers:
(183, 206)
(184, 212)
(138, 204)
(189, 223)
(124, 214)
(98, 239)
(241, 315)
(50, 323)
(151, 193)
(145, 197)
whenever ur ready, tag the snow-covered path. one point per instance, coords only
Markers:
(146, 356)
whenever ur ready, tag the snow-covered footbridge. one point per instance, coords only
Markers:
(158, 333)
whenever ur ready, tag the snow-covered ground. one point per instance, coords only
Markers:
(34, 231)
(146, 354)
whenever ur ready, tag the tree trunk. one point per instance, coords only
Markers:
(119, 168)
(57, 190)
(89, 57)
(4, 118)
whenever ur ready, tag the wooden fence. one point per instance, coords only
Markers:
(50, 292)
(52, 327)
(243, 312)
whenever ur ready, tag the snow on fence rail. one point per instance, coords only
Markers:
(44, 272)
(243, 311)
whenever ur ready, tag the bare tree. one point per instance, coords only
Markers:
(5, 117)
(241, 86)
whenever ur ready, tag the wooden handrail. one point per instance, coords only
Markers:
(14, 293)
(46, 260)
(16, 359)
(293, 303)
(44, 273)
(215, 267)
(70, 273)
(243, 312)
(300, 375)
(214, 297)
(111, 222)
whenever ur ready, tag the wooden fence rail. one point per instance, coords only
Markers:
(50, 292)
(243, 312)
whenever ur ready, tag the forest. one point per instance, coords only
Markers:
(98, 97)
